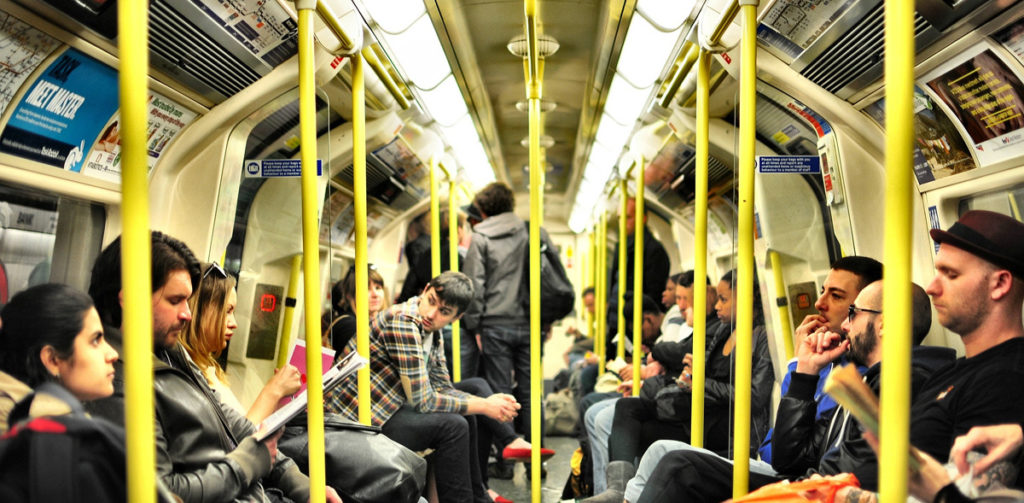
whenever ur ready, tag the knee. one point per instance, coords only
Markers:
(453, 427)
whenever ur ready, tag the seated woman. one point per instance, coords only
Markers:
(207, 334)
(640, 421)
(339, 323)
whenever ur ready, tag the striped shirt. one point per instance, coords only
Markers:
(399, 373)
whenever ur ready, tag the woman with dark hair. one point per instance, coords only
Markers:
(52, 333)
(339, 323)
(207, 334)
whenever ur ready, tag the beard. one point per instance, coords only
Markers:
(165, 337)
(863, 345)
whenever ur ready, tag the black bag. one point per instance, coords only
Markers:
(580, 483)
(557, 296)
(363, 465)
(67, 458)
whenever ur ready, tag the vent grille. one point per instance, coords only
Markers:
(857, 51)
(191, 51)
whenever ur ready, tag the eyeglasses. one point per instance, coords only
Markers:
(854, 310)
(215, 268)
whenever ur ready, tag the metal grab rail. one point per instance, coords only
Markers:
(638, 274)
(453, 262)
(897, 252)
(744, 289)
(311, 254)
(620, 329)
(136, 252)
(700, 254)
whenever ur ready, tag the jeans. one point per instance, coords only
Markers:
(505, 364)
(695, 475)
(470, 364)
(598, 422)
(453, 439)
(636, 426)
(659, 450)
(490, 430)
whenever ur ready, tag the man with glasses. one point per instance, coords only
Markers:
(803, 442)
(205, 451)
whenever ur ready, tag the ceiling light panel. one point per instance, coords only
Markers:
(625, 102)
(419, 53)
(611, 134)
(394, 16)
(645, 52)
(668, 14)
(445, 102)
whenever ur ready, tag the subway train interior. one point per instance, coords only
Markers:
(601, 97)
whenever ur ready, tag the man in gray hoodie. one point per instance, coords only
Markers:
(496, 316)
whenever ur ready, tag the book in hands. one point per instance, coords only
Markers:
(343, 368)
(848, 389)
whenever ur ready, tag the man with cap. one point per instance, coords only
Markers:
(978, 292)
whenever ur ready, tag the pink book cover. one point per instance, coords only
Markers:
(297, 357)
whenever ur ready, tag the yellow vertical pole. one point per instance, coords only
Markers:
(600, 342)
(591, 278)
(534, 69)
(289, 311)
(311, 253)
(136, 253)
(899, 218)
(700, 253)
(745, 250)
(781, 300)
(638, 276)
(435, 221)
(453, 261)
(620, 350)
(362, 262)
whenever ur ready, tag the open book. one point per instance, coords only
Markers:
(343, 368)
(848, 389)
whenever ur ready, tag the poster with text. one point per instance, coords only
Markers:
(62, 112)
(22, 49)
(166, 120)
(985, 96)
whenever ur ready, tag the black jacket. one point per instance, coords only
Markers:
(656, 273)
(834, 443)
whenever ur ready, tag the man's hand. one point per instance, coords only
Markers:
(627, 372)
(332, 496)
(818, 349)
(811, 323)
(501, 407)
(651, 369)
(1000, 441)
(626, 388)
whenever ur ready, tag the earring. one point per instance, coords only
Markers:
(56, 375)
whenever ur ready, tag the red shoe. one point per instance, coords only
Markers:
(502, 499)
(524, 454)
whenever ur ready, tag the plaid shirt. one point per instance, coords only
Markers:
(399, 373)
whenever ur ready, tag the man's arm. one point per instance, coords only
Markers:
(401, 338)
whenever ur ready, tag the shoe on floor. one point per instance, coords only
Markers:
(502, 471)
(524, 454)
(543, 470)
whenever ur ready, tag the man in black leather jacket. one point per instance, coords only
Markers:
(205, 452)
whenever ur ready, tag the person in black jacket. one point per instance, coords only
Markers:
(829, 445)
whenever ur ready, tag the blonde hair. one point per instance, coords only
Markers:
(203, 336)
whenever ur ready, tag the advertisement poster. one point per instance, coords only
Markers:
(985, 96)
(22, 49)
(338, 219)
(265, 28)
(793, 25)
(1012, 38)
(57, 117)
(166, 120)
(939, 149)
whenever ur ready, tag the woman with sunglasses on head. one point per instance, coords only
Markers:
(339, 323)
(207, 334)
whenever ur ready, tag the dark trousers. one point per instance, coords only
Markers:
(470, 364)
(636, 426)
(489, 430)
(694, 476)
(505, 364)
(453, 439)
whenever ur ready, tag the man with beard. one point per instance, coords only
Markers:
(802, 442)
(205, 451)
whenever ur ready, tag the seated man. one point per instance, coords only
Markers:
(847, 277)
(413, 400)
(204, 451)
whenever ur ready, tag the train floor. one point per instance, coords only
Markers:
(518, 488)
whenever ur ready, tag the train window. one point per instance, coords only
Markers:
(1008, 201)
(42, 239)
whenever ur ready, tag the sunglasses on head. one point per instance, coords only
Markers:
(214, 268)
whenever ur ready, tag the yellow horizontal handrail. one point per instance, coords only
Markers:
(690, 50)
(331, 20)
(382, 73)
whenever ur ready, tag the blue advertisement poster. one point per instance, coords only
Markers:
(62, 113)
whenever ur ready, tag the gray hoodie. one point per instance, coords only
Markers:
(495, 260)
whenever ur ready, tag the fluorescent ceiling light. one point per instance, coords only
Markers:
(395, 16)
(419, 53)
(613, 135)
(668, 14)
(599, 170)
(645, 52)
(445, 102)
(463, 132)
(625, 102)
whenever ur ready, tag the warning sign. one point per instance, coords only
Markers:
(803, 164)
(277, 168)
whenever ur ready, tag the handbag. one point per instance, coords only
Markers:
(362, 464)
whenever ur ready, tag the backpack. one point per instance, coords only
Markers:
(560, 413)
(557, 296)
(67, 458)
